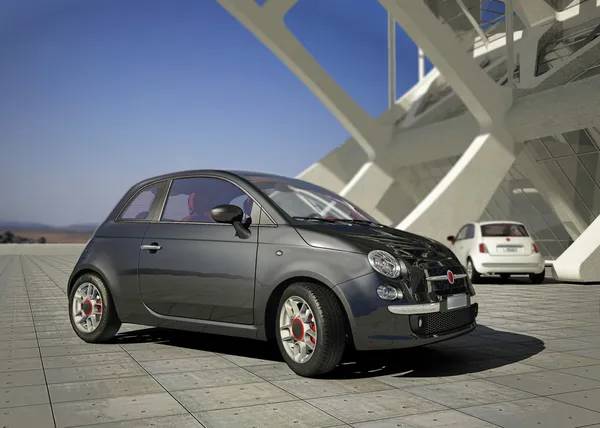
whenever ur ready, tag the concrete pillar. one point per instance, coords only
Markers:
(581, 261)
(267, 24)
(534, 12)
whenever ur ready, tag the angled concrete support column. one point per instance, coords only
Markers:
(581, 261)
(482, 96)
(464, 193)
(534, 12)
(267, 24)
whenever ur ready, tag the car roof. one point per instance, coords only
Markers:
(483, 223)
(184, 173)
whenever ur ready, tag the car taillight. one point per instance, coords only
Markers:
(535, 248)
(482, 248)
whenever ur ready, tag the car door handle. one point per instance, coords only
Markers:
(151, 247)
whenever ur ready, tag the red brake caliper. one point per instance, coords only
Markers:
(99, 302)
(313, 327)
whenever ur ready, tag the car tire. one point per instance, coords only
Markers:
(505, 277)
(474, 276)
(109, 323)
(327, 322)
(537, 278)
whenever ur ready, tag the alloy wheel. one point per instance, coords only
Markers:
(298, 329)
(87, 307)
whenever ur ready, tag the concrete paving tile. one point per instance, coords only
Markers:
(371, 406)
(115, 409)
(39, 416)
(61, 341)
(441, 419)
(566, 345)
(9, 354)
(314, 388)
(103, 388)
(533, 413)
(403, 381)
(23, 378)
(270, 372)
(206, 379)
(589, 372)
(168, 353)
(465, 394)
(546, 382)
(186, 365)
(589, 399)
(23, 396)
(20, 364)
(558, 360)
(291, 414)
(57, 351)
(18, 336)
(246, 361)
(86, 360)
(587, 353)
(502, 367)
(178, 421)
(17, 344)
(106, 371)
(224, 397)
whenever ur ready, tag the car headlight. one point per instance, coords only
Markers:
(386, 264)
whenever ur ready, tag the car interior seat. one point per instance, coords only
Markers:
(198, 209)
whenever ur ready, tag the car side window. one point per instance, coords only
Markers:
(192, 199)
(462, 233)
(470, 232)
(139, 207)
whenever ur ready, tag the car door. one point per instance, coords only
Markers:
(193, 267)
(459, 246)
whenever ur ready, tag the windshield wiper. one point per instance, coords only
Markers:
(325, 220)
(359, 221)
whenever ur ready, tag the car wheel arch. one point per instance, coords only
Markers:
(87, 271)
(273, 302)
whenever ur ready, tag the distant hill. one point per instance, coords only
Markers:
(73, 228)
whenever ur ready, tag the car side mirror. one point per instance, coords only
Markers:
(231, 214)
(450, 238)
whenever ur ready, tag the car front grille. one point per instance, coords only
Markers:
(443, 322)
(442, 287)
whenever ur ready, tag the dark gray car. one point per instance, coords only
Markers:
(266, 257)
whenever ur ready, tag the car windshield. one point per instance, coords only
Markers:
(503, 230)
(305, 201)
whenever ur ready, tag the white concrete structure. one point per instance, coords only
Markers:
(472, 141)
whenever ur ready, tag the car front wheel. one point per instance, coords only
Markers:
(310, 329)
(91, 310)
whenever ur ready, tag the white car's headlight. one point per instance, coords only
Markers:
(386, 264)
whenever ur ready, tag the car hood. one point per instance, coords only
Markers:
(362, 239)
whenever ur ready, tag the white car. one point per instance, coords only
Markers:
(502, 248)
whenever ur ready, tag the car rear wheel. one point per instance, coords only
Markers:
(310, 329)
(537, 278)
(92, 311)
(474, 276)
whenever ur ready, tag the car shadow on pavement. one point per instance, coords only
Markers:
(483, 350)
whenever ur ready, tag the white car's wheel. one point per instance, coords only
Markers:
(474, 276)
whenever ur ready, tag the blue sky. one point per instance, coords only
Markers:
(96, 95)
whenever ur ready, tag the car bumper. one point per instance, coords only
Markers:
(378, 324)
(488, 264)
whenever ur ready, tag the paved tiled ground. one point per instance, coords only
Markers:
(533, 361)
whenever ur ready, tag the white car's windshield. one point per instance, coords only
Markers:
(302, 200)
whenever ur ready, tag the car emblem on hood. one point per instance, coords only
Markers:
(450, 276)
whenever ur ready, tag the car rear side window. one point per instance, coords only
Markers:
(192, 199)
(139, 207)
(503, 230)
